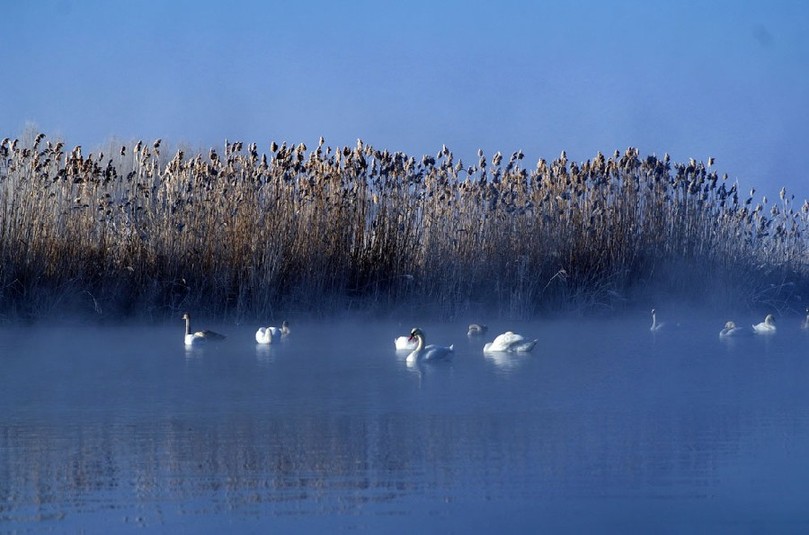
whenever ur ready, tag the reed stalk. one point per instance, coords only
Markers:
(235, 232)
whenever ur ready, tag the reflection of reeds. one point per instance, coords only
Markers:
(241, 232)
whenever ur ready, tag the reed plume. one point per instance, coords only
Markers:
(235, 232)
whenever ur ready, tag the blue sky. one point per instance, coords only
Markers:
(728, 79)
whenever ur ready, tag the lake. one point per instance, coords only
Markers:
(605, 427)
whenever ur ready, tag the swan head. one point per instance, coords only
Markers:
(730, 325)
(186, 316)
(415, 333)
(476, 328)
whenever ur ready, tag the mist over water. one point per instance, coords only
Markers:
(604, 426)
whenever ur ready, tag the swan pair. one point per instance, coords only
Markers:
(199, 337)
(427, 353)
(408, 343)
(765, 327)
(265, 335)
(268, 335)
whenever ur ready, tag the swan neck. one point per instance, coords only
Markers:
(187, 325)
(420, 342)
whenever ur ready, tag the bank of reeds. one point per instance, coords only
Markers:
(242, 233)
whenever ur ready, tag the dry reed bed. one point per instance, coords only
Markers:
(242, 234)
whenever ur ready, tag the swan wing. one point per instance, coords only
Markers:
(504, 342)
(265, 335)
(208, 335)
(436, 352)
(524, 346)
(403, 343)
(763, 328)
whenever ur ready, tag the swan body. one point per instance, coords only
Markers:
(268, 335)
(765, 327)
(509, 342)
(427, 353)
(405, 343)
(731, 330)
(198, 337)
(476, 329)
(655, 325)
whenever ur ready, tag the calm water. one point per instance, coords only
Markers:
(605, 427)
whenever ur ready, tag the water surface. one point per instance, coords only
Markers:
(603, 427)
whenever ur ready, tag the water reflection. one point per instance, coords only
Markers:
(314, 463)
(507, 362)
(148, 434)
(265, 353)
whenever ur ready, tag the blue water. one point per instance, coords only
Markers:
(604, 427)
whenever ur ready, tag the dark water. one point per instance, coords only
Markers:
(605, 427)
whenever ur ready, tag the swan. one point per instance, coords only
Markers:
(731, 330)
(199, 336)
(655, 326)
(268, 335)
(805, 323)
(430, 352)
(765, 327)
(509, 342)
(405, 343)
(476, 329)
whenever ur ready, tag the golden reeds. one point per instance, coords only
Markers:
(243, 233)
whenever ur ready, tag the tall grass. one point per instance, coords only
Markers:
(240, 233)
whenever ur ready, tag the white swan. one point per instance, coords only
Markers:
(476, 329)
(509, 342)
(805, 323)
(199, 336)
(268, 335)
(405, 343)
(425, 353)
(731, 330)
(655, 326)
(765, 327)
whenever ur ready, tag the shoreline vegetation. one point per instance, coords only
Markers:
(240, 233)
